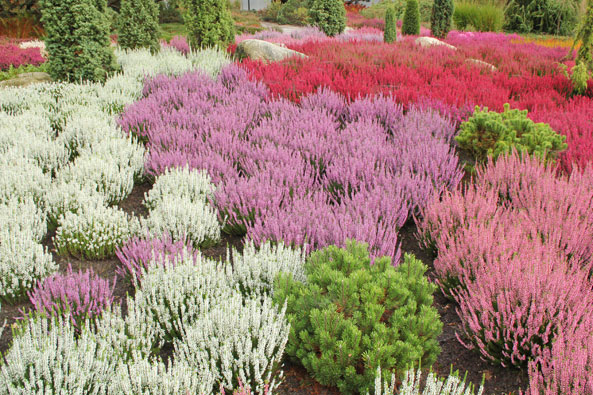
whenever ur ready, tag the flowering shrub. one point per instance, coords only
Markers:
(22, 180)
(181, 182)
(237, 338)
(23, 218)
(70, 197)
(94, 232)
(346, 302)
(433, 385)
(13, 56)
(77, 296)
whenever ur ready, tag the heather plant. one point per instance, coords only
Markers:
(76, 296)
(411, 21)
(209, 23)
(390, 34)
(238, 338)
(488, 133)
(440, 21)
(77, 39)
(352, 312)
(411, 384)
(12, 57)
(22, 180)
(94, 232)
(49, 356)
(23, 218)
(138, 25)
(181, 182)
(71, 197)
(328, 15)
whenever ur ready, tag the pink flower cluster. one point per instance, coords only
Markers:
(13, 56)
(317, 173)
(515, 250)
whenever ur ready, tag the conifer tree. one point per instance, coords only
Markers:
(329, 16)
(390, 34)
(440, 21)
(138, 25)
(77, 39)
(411, 22)
(584, 60)
(209, 23)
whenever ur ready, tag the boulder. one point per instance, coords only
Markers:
(26, 79)
(265, 51)
(433, 42)
(481, 63)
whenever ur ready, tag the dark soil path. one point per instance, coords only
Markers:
(498, 380)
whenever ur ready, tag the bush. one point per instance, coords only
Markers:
(63, 198)
(390, 34)
(12, 56)
(353, 315)
(294, 12)
(169, 12)
(411, 22)
(77, 39)
(584, 60)
(480, 17)
(432, 386)
(378, 10)
(238, 337)
(209, 23)
(138, 25)
(488, 133)
(75, 296)
(192, 184)
(94, 232)
(558, 17)
(329, 16)
(440, 22)
(270, 13)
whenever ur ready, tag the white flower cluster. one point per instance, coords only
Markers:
(48, 357)
(255, 270)
(94, 232)
(178, 206)
(453, 385)
(20, 179)
(23, 260)
(237, 338)
(70, 197)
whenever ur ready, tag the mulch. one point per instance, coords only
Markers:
(497, 380)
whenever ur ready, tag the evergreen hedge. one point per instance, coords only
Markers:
(209, 23)
(440, 22)
(411, 22)
(390, 34)
(329, 16)
(77, 39)
(138, 25)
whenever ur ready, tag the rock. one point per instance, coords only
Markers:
(266, 51)
(26, 79)
(432, 42)
(481, 63)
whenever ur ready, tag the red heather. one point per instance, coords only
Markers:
(13, 56)
(75, 294)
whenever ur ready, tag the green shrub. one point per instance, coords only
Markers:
(379, 9)
(169, 12)
(77, 39)
(138, 25)
(440, 22)
(294, 12)
(488, 133)
(584, 58)
(542, 16)
(209, 23)
(579, 77)
(12, 72)
(329, 16)
(270, 13)
(390, 34)
(479, 17)
(352, 316)
(411, 22)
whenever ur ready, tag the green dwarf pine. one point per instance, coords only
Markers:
(411, 22)
(138, 25)
(209, 23)
(77, 39)
(440, 21)
(329, 16)
(390, 34)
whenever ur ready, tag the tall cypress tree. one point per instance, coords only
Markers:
(440, 21)
(209, 23)
(390, 34)
(77, 39)
(411, 22)
(138, 25)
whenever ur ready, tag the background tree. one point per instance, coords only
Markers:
(390, 34)
(440, 21)
(209, 23)
(411, 22)
(138, 25)
(584, 60)
(77, 39)
(329, 16)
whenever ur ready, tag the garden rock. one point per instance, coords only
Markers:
(265, 51)
(26, 79)
(432, 42)
(481, 63)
